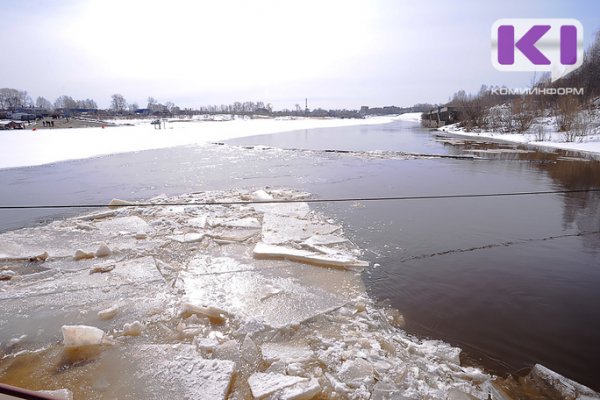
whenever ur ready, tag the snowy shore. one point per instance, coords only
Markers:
(554, 139)
(20, 148)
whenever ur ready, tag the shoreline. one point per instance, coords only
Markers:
(26, 148)
(590, 148)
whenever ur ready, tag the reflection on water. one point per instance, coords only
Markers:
(513, 280)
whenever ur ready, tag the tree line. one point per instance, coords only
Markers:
(499, 109)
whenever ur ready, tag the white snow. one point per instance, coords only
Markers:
(20, 148)
(410, 117)
(554, 138)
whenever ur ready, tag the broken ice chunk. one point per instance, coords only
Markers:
(356, 373)
(59, 394)
(263, 250)
(286, 352)
(250, 353)
(39, 258)
(198, 222)
(108, 313)
(187, 237)
(261, 195)
(103, 250)
(559, 386)
(229, 350)
(81, 335)
(244, 223)
(15, 341)
(82, 255)
(7, 275)
(301, 391)
(118, 203)
(262, 384)
(102, 268)
(214, 314)
(133, 329)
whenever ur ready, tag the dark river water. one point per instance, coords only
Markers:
(514, 281)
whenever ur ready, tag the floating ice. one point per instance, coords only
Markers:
(261, 195)
(356, 373)
(133, 329)
(214, 314)
(103, 251)
(288, 352)
(59, 394)
(81, 335)
(244, 223)
(178, 372)
(108, 313)
(198, 222)
(301, 390)
(560, 386)
(263, 250)
(82, 255)
(102, 268)
(7, 275)
(118, 203)
(187, 237)
(262, 384)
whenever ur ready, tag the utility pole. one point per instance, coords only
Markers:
(306, 106)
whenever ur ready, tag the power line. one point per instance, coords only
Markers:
(288, 201)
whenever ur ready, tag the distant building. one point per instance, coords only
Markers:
(21, 116)
(262, 111)
(440, 116)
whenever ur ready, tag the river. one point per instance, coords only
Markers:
(512, 280)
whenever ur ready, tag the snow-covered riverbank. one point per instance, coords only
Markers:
(553, 139)
(20, 148)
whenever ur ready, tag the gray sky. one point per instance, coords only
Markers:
(337, 53)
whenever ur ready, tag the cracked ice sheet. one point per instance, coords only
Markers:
(286, 294)
(62, 238)
(278, 229)
(180, 371)
(75, 298)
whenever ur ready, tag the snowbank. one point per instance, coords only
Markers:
(410, 117)
(555, 140)
(27, 148)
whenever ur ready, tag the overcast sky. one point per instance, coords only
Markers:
(337, 53)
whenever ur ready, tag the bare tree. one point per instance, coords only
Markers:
(133, 106)
(43, 103)
(65, 101)
(565, 112)
(14, 98)
(118, 103)
(523, 114)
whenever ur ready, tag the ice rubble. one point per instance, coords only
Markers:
(81, 335)
(217, 292)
